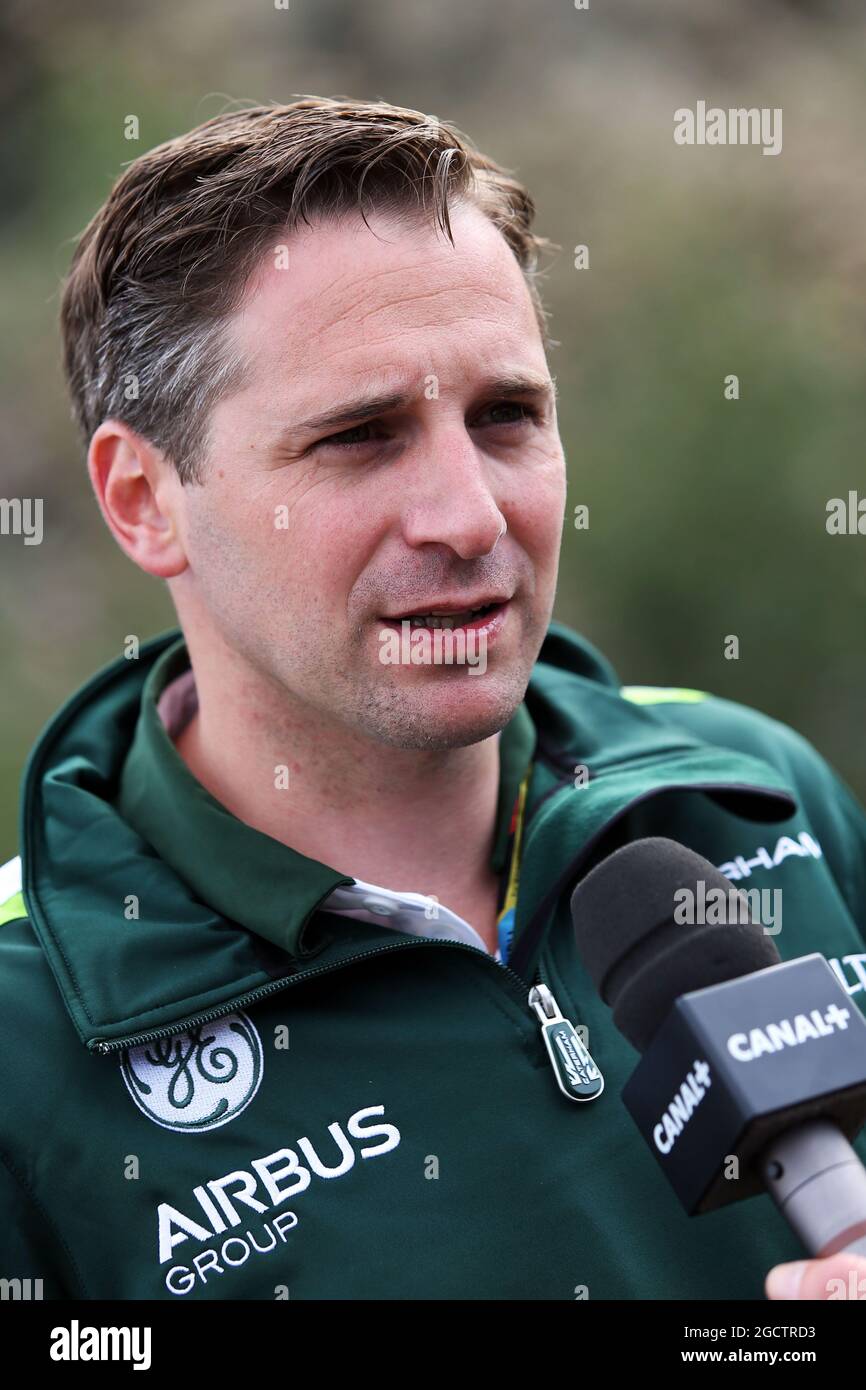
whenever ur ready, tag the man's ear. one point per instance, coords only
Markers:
(140, 497)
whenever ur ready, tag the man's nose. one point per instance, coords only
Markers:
(449, 501)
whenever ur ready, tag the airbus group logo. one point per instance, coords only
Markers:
(199, 1079)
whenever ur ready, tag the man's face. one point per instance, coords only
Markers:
(305, 538)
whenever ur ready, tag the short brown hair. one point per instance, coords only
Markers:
(163, 263)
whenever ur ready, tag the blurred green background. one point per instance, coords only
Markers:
(707, 517)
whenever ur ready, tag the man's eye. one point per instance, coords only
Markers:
(522, 412)
(346, 439)
(516, 413)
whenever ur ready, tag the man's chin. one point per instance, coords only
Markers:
(446, 714)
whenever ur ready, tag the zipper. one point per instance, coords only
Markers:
(253, 996)
(577, 1076)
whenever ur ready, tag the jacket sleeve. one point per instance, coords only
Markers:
(834, 812)
(29, 1248)
(837, 818)
(836, 815)
(845, 822)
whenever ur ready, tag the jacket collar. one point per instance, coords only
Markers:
(243, 874)
(154, 905)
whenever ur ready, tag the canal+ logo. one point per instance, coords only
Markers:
(198, 1079)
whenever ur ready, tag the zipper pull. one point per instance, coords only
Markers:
(577, 1075)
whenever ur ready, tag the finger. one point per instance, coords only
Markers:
(836, 1277)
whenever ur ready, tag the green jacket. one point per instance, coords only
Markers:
(216, 1087)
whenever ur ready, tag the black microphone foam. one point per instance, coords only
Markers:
(639, 957)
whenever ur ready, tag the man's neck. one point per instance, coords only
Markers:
(405, 819)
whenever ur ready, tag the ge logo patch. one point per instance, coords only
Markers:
(199, 1079)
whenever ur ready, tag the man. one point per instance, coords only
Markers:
(266, 979)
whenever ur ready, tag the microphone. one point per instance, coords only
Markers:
(753, 1074)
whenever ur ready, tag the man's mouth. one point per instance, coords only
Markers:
(477, 618)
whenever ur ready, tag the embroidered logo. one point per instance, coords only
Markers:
(196, 1080)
